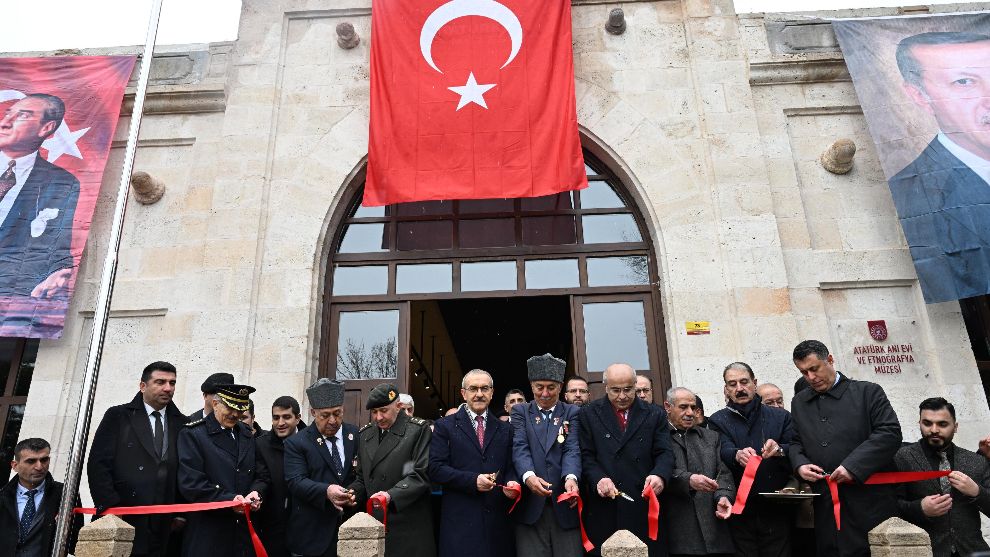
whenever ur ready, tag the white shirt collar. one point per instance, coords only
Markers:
(551, 409)
(473, 417)
(22, 491)
(148, 409)
(22, 167)
(976, 163)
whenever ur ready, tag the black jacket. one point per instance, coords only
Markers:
(626, 458)
(271, 519)
(125, 471)
(751, 426)
(42, 535)
(961, 526)
(313, 520)
(851, 425)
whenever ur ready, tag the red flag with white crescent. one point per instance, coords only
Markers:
(58, 120)
(471, 99)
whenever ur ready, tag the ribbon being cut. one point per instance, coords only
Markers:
(259, 549)
(749, 474)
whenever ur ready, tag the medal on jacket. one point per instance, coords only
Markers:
(560, 436)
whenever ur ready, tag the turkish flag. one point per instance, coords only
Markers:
(471, 99)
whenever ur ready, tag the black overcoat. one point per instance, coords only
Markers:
(627, 458)
(270, 521)
(313, 520)
(125, 471)
(469, 518)
(398, 465)
(41, 536)
(851, 425)
(215, 467)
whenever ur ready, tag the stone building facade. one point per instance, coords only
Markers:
(708, 124)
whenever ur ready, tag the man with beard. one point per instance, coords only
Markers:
(545, 453)
(270, 453)
(393, 458)
(134, 458)
(947, 508)
(749, 428)
(576, 391)
(470, 452)
(318, 463)
(845, 429)
(217, 463)
(625, 449)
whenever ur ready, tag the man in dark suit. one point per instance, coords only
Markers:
(134, 458)
(209, 389)
(625, 449)
(217, 463)
(393, 458)
(269, 450)
(37, 202)
(696, 503)
(318, 463)
(943, 197)
(546, 455)
(470, 452)
(848, 430)
(29, 504)
(947, 508)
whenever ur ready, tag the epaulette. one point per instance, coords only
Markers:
(365, 426)
(417, 421)
(197, 422)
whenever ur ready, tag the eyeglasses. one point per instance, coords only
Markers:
(616, 391)
(574, 391)
(474, 389)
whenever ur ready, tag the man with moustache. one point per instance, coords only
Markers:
(947, 508)
(696, 503)
(272, 519)
(749, 428)
(771, 395)
(546, 455)
(625, 449)
(393, 458)
(134, 458)
(318, 463)
(848, 430)
(576, 391)
(217, 463)
(943, 198)
(644, 388)
(470, 453)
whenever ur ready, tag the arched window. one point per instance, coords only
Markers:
(420, 293)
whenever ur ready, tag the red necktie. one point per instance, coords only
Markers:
(480, 430)
(621, 415)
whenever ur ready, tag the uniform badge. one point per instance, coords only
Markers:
(242, 392)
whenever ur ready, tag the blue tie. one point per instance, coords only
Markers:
(28, 517)
(338, 467)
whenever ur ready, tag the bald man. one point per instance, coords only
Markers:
(771, 395)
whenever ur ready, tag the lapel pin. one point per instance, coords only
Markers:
(537, 419)
(350, 436)
(556, 421)
(319, 441)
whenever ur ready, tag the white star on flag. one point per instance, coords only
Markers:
(63, 142)
(471, 92)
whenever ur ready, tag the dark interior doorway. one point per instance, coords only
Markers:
(497, 335)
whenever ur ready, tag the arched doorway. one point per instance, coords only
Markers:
(419, 293)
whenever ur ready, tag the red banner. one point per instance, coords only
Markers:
(59, 116)
(471, 99)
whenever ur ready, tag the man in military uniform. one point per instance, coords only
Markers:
(318, 463)
(209, 388)
(393, 457)
(216, 463)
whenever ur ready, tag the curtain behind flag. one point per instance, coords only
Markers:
(924, 84)
(59, 116)
(471, 99)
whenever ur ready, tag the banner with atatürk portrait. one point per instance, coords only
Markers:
(58, 119)
(924, 85)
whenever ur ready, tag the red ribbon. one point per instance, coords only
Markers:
(259, 549)
(588, 546)
(653, 516)
(516, 497)
(880, 478)
(382, 502)
(746, 483)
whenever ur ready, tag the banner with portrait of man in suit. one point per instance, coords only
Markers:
(58, 119)
(924, 85)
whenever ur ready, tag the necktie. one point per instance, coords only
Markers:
(480, 430)
(7, 179)
(381, 434)
(546, 414)
(28, 517)
(159, 434)
(338, 466)
(943, 464)
(621, 416)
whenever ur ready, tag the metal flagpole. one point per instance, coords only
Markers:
(77, 449)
